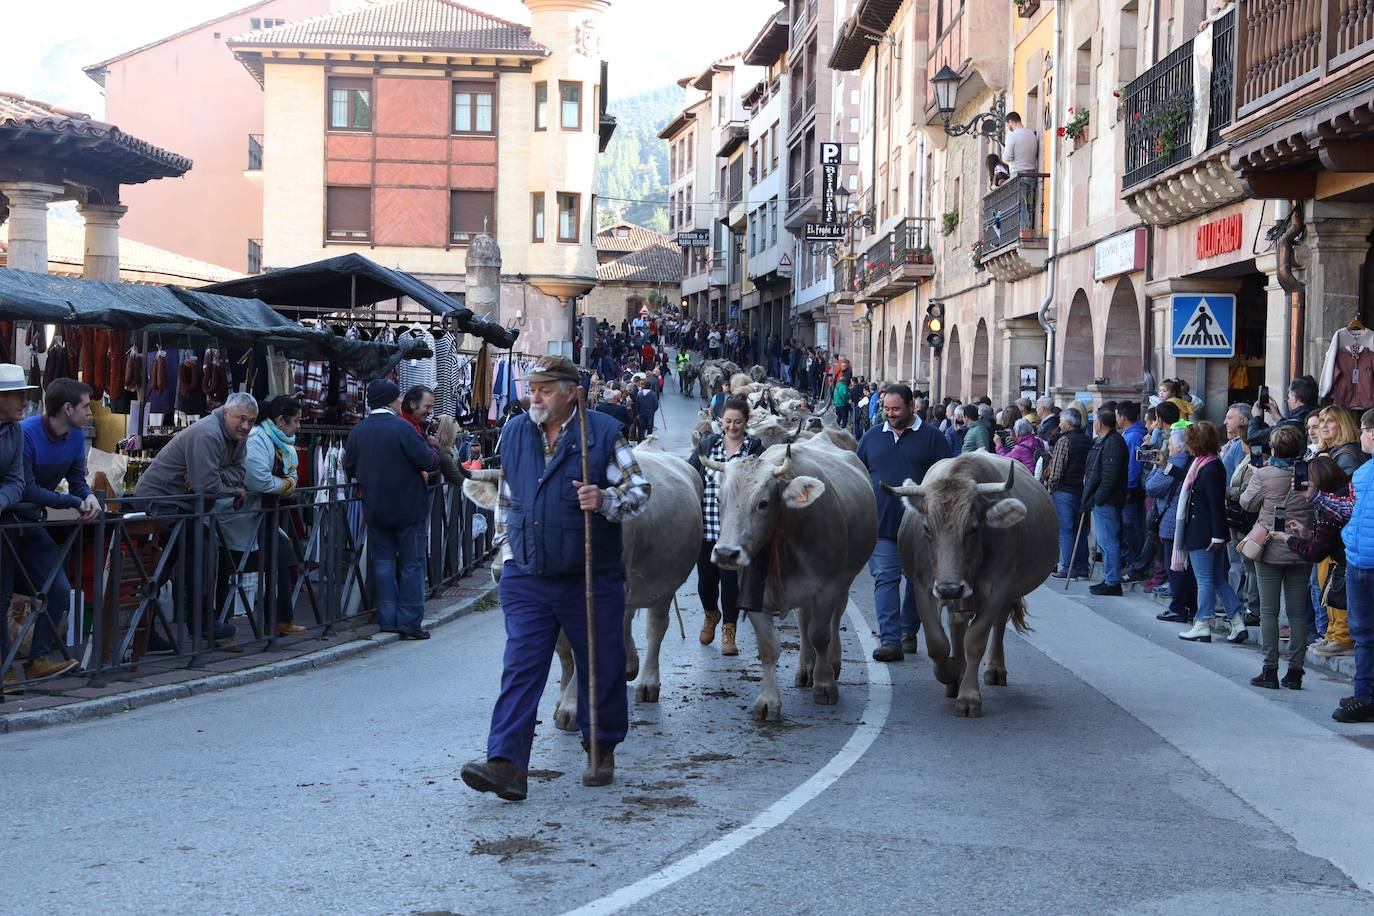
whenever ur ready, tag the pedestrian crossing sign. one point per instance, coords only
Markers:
(1203, 324)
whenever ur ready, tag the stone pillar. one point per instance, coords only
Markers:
(1276, 374)
(1213, 392)
(102, 240)
(1337, 245)
(482, 272)
(1022, 343)
(28, 221)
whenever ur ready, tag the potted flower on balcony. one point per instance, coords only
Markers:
(924, 255)
(951, 221)
(1167, 121)
(976, 254)
(1077, 128)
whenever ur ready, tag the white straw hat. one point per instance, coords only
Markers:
(12, 379)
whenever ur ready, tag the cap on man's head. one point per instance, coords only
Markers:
(553, 369)
(382, 393)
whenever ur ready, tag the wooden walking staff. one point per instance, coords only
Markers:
(1073, 554)
(593, 748)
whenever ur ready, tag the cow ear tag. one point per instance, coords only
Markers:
(802, 492)
(1005, 513)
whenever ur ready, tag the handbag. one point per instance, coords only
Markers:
(1333, 594)
(1252, 545)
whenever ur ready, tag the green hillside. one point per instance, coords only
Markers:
(635, 165)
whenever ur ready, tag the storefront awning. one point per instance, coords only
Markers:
(351, 281)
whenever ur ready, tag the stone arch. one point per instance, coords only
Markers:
(978, 379)
(954, 366)
(1122, 355)
(878, 354)
(909, 354)
(1076, 369)
(891, 370)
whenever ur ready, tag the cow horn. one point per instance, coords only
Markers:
(795, 433)
(906, 489)
(481, 473)
(708, 462)
(786, 463)
(996, 489)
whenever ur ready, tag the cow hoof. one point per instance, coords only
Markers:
(646, 693)
(969, 709)
(764, 710)
(952, 689)
(632, 671)
(826, 694)
(565, 720)
(995, 677)
(803, 678)
(836, 668)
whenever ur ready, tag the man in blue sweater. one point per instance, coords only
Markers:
(14, 390)
(902, 449)
(54, 451)
(391, 464)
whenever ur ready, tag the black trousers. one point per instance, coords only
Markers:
(286, 562)
(718, 588)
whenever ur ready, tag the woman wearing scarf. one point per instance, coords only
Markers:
(1201, 534)
(270, 470)
(1279, 571)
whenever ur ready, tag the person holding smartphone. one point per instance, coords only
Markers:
(1301, 401)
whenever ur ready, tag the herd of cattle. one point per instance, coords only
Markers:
(972, 542)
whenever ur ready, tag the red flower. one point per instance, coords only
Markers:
(1070, 110)
(1059, 131)
(1116, 94)
(1137, 116)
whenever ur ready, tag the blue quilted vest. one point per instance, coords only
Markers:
(543, 523)
(1358, 533)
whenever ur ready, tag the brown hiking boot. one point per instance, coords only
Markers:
(708, 628)
(40, 668)
(10, 687)
(290, 629)
(727, 640)
(604, 774)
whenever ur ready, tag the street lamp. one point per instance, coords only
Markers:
(990, 124)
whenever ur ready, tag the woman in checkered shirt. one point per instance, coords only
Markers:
(719, 588)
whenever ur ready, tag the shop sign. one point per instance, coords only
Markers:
(830, 180)
(1203, 325)
(1120, 254)
(1219, 237)
(694, 238)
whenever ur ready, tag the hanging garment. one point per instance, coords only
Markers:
(481, 380)
(59, 363)
(445, 368)
(1348, 372)
(1239, 377)
(190, 386)
(412, 372)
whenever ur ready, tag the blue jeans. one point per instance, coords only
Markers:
(1182, 585)
(1318, 609)
(1107, 523)
(396, 561)
(1209, 568)
(36, 554)
(886, 568)
(1068, 507)
(1132, 526)
(535, 609)
(1359, 594)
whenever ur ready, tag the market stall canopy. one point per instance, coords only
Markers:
(349, 281)
(27, 296)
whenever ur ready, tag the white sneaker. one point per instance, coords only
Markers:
(1238, 632)
(1201, 631)
(1320, 647)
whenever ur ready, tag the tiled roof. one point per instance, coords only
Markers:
(67, 245)
(628, 237)
(116, 154)
(410, 25)
(655, 264)
(97, 71)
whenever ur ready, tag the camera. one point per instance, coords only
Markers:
(1146, 454)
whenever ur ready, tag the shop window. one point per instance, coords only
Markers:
(537, 218)
(569, 206)
(348, 214)
(471, 213)
(541, 106)
(570, 105)
(350, 103)
(474, 109)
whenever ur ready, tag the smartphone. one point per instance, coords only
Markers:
(1300, 474)
(1280, 517)
(1257, 456)
(1262, 400)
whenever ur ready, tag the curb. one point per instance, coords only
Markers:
(86, 710)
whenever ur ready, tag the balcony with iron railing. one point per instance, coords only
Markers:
(1169, 175)
(846, 283)
(803, 104)
(1012, 241)
(801, 195)
(255, 152)
(900, 260)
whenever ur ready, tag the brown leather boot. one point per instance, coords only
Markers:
(727, 640)
(40, 668)
(604, 773)
(11, 686)
(497, 775)
(708, 627)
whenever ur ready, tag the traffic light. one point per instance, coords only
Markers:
(935, 325)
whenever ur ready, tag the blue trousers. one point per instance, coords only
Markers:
(37, 555)
(894, 606)
(1132, 526)
(1068, 507)
(1209, 568)
(1107, 522)
(1359, 591)
(536, 608)
(396, 560)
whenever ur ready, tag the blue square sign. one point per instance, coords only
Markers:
(1203, 324)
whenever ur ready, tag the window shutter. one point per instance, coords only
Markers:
(349, 212)
(467, 213)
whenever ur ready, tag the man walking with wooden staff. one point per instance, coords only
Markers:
(545, 587)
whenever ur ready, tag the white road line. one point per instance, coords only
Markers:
(874, 718)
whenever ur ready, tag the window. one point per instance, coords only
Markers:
(773, 222)
(348, 213)
(774, 147)
(471, 213)
(541, 106)
(570, 106)
(691, 150)
(350, 104)
(473, 108)
(568, 216)
(537, 217)
(255, 256)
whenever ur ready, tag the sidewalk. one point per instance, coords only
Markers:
(1342, 666)
(160, 680)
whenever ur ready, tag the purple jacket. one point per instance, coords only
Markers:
(1023, 450)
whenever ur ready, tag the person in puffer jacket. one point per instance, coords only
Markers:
(1358, 537)
(1164, 490)
(1024, 449)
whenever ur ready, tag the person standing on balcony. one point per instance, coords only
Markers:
(1022, 150)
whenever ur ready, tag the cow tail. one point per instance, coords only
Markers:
(1018, 616)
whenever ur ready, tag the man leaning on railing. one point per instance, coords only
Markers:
(13, 390)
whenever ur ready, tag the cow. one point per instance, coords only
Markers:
(978, 535)
(802, 514)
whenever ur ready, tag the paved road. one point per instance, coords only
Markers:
(1122, 771)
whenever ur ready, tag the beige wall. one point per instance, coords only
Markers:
(609, 302)
(191, 96)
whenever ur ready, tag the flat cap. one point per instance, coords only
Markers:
(554, 369)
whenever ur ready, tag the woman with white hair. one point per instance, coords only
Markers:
(1162, 522)
(1020, 442)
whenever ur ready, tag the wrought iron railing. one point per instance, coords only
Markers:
(1223, 77)
(1011, 212)
(907, 244)
(1157, 108)
(254, 152)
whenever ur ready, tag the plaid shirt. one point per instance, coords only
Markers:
(625, 498)
(1059, 460)
(710, 499)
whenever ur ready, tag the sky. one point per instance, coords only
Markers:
(649, 43)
